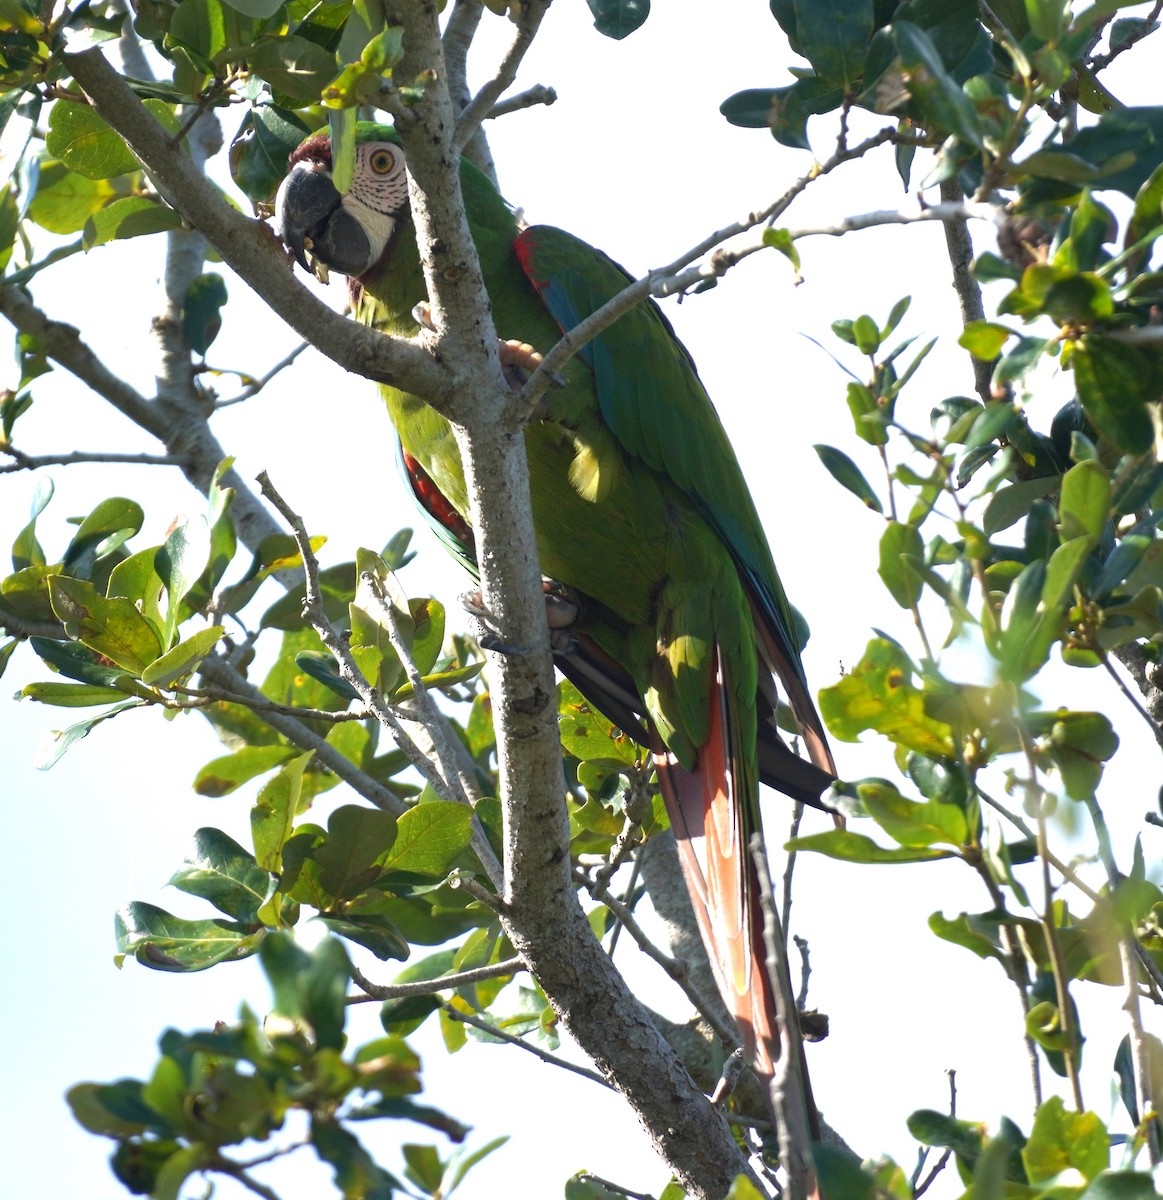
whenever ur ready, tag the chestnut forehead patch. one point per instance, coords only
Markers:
(315, 149)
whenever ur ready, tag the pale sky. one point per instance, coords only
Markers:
(635, 158)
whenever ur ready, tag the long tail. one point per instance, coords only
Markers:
(708, 810)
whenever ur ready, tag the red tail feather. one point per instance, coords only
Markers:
(707, 811)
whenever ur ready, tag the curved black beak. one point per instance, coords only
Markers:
(311, 218)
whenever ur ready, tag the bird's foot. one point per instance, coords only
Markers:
(561, 612)
(518, 359)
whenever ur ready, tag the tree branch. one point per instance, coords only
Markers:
(189, 440)
(34, 462)
(543, 918)
(219, 673)
(247, 246)
(481, 105)
(435, 768)
(788, 1084)
(960, 247)
(440, 983)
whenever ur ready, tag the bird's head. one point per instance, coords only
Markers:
(348, 232)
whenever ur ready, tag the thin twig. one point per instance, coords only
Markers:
(919, 1189)
(1139, 1050)
(260, 704)
(54, 256)
(679, 276)
(675, 969)
(257, 385)
(226, 1166)
(539, 93)
(482, 103)
(221, 672)
(614, 1189)
(1136, 35)
(797, 815)
(1136, 703)
(788, 1088)
(805, 972)
(456, 1014)
(466, 883)
(350, 673)
(628, 902)
(21, 627)
(1015, 965)
(427, 987)
(31, 462)
(426, 711)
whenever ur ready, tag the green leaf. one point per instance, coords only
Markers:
(848, 475)
(65, 200)
(962, 931)
(910, 823)
(357, 1176)
(183, 660)
(1009, 504)
(750, 109)
(944, 106)
(374, 933)
(357, 837)
(259, 152)
(221, 871)
(104, 530)
(259, 10)
(587, 735)
(1078, 743)
(222, 775)
(856, 848)
(430, 838)
(324, 992)
(113, 628)
(274, 812)
(129, 217)
(1084, 507)
(83, 141)
(833, 35)
(898, 543)
(878, 694)
(1113, 382)
(1061, 1139)
(780, 239)
(202, 311)
(618, 18)
(293, 65)
(867, 415)
(71, 695)
(1026, 633)
(984, 339)
(1121, 1185)
(163, 942)
(88, 1102)
(60, 740)
(1047, 18)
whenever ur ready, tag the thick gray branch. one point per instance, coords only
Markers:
(542, 916)
(186, 437)
(246, 245)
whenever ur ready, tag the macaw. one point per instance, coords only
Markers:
(679, 626)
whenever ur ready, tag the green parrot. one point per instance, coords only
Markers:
(676, 626)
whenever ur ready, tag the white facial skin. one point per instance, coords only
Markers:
(379, 192)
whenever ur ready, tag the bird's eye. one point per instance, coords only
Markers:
(382, 161)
